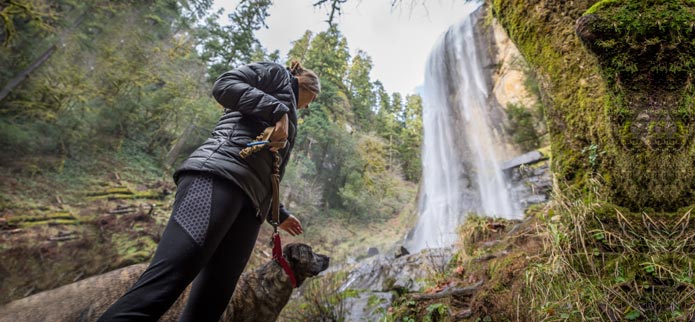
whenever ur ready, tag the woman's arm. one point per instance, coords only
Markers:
(292, 225)
(284, 214)
(244, 90)
(288, 222)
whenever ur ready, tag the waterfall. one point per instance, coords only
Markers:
(462, 149)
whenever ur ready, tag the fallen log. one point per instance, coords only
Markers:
(453, 291)
(463, 314)
(488, 257)
(62, 238)
(122, 211)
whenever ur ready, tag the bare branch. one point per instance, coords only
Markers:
(335, 8)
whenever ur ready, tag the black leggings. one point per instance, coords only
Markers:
(210, 234)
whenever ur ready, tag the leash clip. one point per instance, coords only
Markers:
(257, 143)
(262, 141)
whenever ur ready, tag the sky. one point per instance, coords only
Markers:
(398, 39)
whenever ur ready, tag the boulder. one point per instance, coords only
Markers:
(402, 251)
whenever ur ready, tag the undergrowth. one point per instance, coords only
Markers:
(321, 300)
(605, 263)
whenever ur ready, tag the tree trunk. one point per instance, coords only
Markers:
(14, 82)
(176, 149)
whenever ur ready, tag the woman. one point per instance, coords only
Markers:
(221, 198)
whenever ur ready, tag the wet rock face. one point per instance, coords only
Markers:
(530, 178)
(378, 279)
(647, 58)
(403, 274)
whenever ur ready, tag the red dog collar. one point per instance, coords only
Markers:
(277, 256)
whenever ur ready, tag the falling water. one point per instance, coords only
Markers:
(461, 167)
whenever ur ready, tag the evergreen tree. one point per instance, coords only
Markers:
(382, 97)
(411, 138)
(229, 46)
(361, 91)
(300, 47)
(328, 56)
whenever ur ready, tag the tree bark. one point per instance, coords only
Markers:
(14, 82)
(176, 149)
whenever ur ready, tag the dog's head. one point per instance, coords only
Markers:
(304, 262)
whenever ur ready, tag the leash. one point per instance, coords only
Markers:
(262, 141)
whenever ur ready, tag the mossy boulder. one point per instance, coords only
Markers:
(618, 92)
(646, 55)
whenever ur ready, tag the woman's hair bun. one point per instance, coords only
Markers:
(306, 77)
(296, 68)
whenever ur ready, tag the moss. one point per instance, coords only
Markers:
(55, 218)
(146, 194)
(134, 258)
(131, 249)
(548, 56)
(476, 230)
(110, 191)
(546, 151)
(647, 60)
(50, 216)
(621, 246)
(643, 48)
(374, 301)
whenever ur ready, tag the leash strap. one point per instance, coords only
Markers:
(277, 256)
(253, 147)
(275, 181)
(262, 141)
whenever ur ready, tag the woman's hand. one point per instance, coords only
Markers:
(292, 226)
(280, 132)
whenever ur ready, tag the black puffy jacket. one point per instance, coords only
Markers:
(255, 96)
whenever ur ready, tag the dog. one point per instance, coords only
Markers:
(260, 294)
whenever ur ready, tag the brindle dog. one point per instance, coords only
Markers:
(260, 295)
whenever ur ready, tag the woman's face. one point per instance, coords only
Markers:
(305, 98)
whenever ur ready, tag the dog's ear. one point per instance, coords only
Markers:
(294, 252)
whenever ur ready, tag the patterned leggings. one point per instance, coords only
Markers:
(210, 234)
